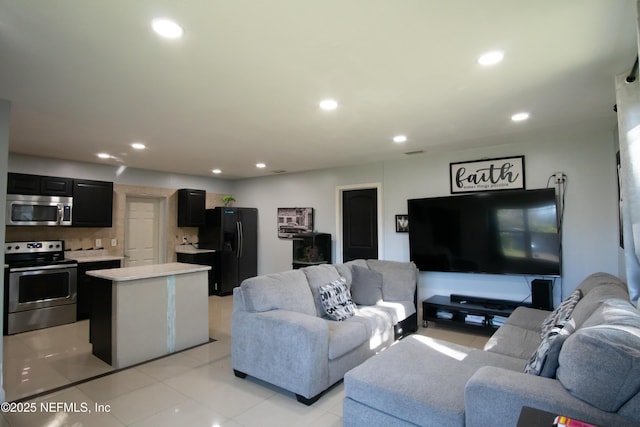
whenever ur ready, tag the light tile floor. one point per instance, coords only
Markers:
(191, 388)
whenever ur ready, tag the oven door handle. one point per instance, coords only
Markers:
(42, 267)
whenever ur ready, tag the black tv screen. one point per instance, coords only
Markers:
(505, 232)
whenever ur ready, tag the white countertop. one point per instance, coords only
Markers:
(97, 258)
(190, 249)
(147, 271)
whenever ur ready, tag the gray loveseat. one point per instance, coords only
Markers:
(589, 361)
(281, 332)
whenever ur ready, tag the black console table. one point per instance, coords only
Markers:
(473, 312)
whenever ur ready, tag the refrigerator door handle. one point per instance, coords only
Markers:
(240, 239)
(237, 239)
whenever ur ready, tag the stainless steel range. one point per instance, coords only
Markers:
(42, 288)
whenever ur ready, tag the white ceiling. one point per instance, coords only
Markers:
(243, 84)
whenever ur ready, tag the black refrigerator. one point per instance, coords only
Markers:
(233, 234)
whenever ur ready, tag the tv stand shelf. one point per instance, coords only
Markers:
(473, 312)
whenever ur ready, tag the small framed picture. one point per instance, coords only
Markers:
(402, 223)
(292, 221)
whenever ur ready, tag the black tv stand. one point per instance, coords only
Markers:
(500, 304)
(461, 310)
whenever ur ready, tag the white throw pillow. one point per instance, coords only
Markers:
(336, 300)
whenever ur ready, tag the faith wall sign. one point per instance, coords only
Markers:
(506, 173)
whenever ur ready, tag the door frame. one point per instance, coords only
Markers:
(161, 227)
(339, 233)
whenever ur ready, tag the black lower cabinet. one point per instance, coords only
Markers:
(100, 328)
(86, 285)
(201, 258)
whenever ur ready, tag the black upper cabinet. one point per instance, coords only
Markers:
(54, 186)
(20, 183)
(191, 207)
(92, 200)
(92, 203)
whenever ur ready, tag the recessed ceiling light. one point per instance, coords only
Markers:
(329, 104)
(399, 139)
(217, 171)
(167, 28)
(138, 145)
(104, 155)
(491, 58)
(261, 165)
(518, 117)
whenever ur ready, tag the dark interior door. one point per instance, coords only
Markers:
(360, 224)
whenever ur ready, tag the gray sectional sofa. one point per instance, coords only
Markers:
(281, 332)
(585, 365)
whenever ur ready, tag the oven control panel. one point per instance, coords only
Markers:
(31, 247)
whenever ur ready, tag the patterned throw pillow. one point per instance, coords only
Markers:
(336, 300)
(544, 361)
(561, 314)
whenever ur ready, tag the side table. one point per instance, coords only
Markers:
(532, 417)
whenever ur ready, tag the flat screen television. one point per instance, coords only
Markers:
(505, 232)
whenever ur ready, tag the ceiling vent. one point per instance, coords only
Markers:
(411, 153)
(279, 171)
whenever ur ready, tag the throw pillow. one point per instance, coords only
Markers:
(318, 276)
(336, 300)
(366, 286)
(544, 361)
(561, 314)
(399, 279)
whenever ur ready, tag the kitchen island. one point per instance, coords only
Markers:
(144, 312)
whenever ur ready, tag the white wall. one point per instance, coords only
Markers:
(590, 242)
(316, 189)
(5, 107)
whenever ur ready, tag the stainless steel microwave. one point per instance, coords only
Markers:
(38, 210)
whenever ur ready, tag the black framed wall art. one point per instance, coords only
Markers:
(293, 221)
(505, 173)
(402, 223)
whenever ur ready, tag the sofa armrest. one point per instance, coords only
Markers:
(284, 348)
(493, 394)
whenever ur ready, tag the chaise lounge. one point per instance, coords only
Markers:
(582, 361)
